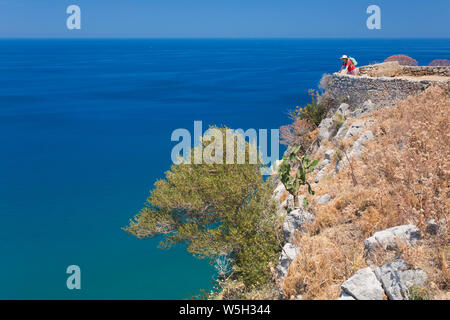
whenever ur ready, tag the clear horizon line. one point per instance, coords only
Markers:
(223, 38)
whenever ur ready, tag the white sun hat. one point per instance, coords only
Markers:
(344, 57)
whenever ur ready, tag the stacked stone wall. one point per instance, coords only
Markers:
(382, 91)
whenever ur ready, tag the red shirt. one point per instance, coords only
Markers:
(349, 64)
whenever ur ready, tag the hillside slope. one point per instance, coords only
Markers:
(380, 168)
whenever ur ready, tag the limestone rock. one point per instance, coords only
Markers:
(324, 199)
(341, 164)
(344, 296)
(363, 285)
(366, 108)
(359, 144)
(282, 207)
(278, 192)
(432, 227)
(387, 239)
(288, 254)
(295, 220)
(341, 132)
(323, 164)
(326, 129)
(355, 129)
(328, 154)
(320, 175)
(344, 110)
(397, 279)
(288, 203)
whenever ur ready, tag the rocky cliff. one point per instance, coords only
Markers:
(377, 226)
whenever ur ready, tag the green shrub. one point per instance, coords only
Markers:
(418, 293)
(338, 120)
(313, 112)
(338, 155)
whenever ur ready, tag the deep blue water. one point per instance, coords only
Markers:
(85, 131)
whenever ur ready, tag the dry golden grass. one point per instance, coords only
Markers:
(300, 133)
(402, 177)
(236, 290)
(323, 260)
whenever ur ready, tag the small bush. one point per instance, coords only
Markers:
(338, 155)
(418, 293)
(440, 63)
(313, 112)
(298, 134)
(305, 166)
(338, 120)
(402, 60)
(325, 81)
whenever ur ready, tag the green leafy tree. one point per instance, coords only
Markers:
(218, 210)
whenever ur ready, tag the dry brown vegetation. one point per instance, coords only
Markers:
(402, 177)
(300, 133)
(403, 60)
(440, 63)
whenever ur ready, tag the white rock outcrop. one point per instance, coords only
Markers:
(328, 154)
(355, 129)
(326, 129)
(345, 296)
(358, 146)
(363, 285)
(288, 255)
(324, 199)
(366, 108)
(388, 239)
(397, 279)
(295, 220)
(344, 110)
(278, 192)
(320, 175)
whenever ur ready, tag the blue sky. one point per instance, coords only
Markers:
(225, 18)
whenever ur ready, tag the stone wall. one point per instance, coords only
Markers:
(394, 69)
(425, 71)
(383, 91)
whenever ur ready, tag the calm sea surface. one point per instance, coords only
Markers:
(85, 131)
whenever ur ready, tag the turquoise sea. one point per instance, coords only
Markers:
(85, 130)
